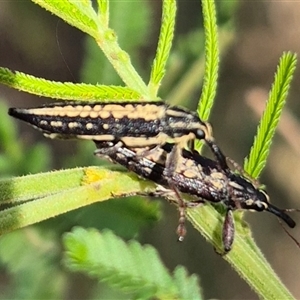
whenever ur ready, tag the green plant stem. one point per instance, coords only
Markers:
(245, 257)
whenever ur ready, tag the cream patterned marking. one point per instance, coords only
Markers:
(89, 126)
(148, 111)
(72, 125)
(144, 141)
(266, 205)
(217, 175)
(208, 131)
(104, 114)
(102, 137)
(218, 184)
(68, 110)
(71, 111)
(43, 122)
(94, 114)
(181, 124)
(249, 202)
(52, 135)
(174, 113)
(260, 203)
(236, 185)
(109, 107)
(105, 126)
(148, 170)
(140, 108)
(189, 163)
(56, 123)
(153, 116)
(155, 154)
(84, 114)
(266, 195)
(97, 107)
(190, 173)
(87, 108)
(129, 107)
(119, 114)
(132, 115)
(200, 170)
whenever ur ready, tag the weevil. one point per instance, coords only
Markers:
(199, 177)
(136, 124)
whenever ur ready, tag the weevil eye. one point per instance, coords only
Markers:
(200, 134)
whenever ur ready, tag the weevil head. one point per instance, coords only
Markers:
(257, 199)
(247, 196)
(262, 203)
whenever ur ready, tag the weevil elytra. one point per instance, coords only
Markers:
(200, 177)
(136, 124)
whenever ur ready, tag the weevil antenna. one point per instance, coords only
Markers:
(287, 232)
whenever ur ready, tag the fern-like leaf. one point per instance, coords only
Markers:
(266, 129)
(211, 62)
(64, 90)
(211, 59)
(133, 268)
(164, 46)
(188, 285)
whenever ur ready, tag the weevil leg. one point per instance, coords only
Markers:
(107, 148)
(210, 142)
(220, 157)
(171, 164)
(146, 152)
(173, 196)
(171, 161)
(181, 229)
(228, 231)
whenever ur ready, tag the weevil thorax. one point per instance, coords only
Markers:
(180, 121)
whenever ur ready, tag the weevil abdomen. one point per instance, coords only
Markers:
(93, 121)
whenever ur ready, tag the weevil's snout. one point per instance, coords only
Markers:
(275, 210)
(282, 215)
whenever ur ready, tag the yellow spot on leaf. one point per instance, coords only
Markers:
(93, 175)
